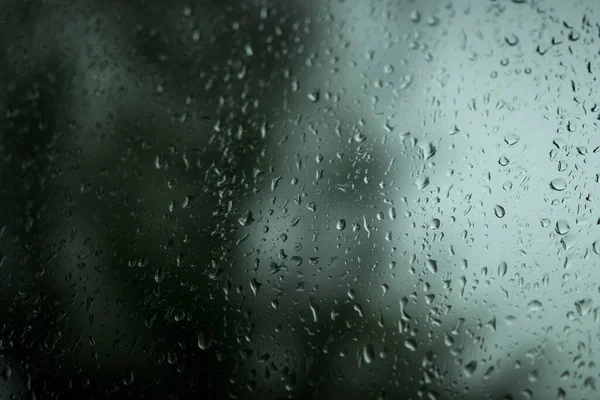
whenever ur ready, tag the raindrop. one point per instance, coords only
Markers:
(502, 268)
(584, 306)
(433, 20)
(470, 368)
(511, 139)
(341, 224)
(434, 224)
(568, 241)
(368, 353)
(246, 218)
(314, 96)
(511, 40)
(422, 182)
(562, 227)
(432, 266)
(499, 211)
(559, 143)
(558, 184)
(534, 306)
(503, 161)
(411, 344)
(596, 247)
(428, 150)
(545, 222)
(204, 343)
(415, 16)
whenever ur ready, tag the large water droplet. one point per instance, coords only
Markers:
(341, 224)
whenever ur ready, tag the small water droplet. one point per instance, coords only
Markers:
(562, 227)
(314, 96)
(503, 161)
(545, 222)
(246, 218)
(511, 40)
(434, 224)
(534, 306)
(568, 241)
(341, 225)
(432, 266)
(415, 16)
(470, 368)
(558, 184)
(428, 150)
(502, 267)
(511, 139)
(369, 353)
(596, 247)
(499, 211)
(422, 182)
(204, 343)
(411, 344)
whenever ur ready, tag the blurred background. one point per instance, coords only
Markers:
(308, 199)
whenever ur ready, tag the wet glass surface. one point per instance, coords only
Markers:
(301, 199)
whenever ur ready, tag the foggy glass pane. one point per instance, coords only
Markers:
(322, 199)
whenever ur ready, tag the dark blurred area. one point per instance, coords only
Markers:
(191, 208)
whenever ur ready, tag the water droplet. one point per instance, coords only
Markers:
(545, 222)
(246, 218)
(341, 224)
(432, 266)
(470, 368)
(499, 211)
(534, 306)
(411, 344)
(596, 247)
(314, 96)
(584, 306)
(558, 184)
(434, 224)
(562, 227)
(511, 40)
(502, 267)
(559, 143)
(422, 182)
(428, 150)
(503, 161)
(511, 139)
(204, 343)
(369, 353)
(415, 16)
(568, 241)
